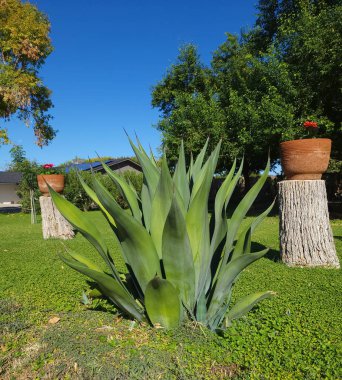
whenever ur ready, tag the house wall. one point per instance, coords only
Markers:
(8, 193)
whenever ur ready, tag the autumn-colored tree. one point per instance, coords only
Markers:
(24, 46)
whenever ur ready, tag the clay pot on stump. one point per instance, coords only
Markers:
(56, 181)
(305, 159)
(305, 235)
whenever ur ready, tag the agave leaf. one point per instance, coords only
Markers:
(138, 247)
(109, 287)
(232, 186)
(177, 255)
(180, 178)
(146, 205)
(208, 169)
(141, 148)
(92, 195)
(241, 210)
(162, 303)
(127, 192)
(83, 223)
(153, 158)
(196, 168)
(197, 221)
(226, 279)
(243, 243)
(201, 307)
(161, 204)
(82, 259)
(245, 304)
(224, 192)
(151, 172)
(191, 165)
(222, 311)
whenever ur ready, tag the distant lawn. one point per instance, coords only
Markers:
(296, 335)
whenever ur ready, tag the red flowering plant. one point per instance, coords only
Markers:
(49, 169)
(311, 127)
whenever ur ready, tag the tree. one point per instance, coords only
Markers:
(18, 157)
(260, 87)
(307, 36)
(311, 45)
(24, 46)
(245, 102)
(257, 96)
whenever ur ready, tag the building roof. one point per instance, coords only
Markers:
(10, 177)
(96, 166)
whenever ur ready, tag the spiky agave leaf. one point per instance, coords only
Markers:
(109, 287)
(177, 256)
(245, 304)
(139, 251)
(160, 206)
(224, 283)
(176, 260)
(163, 304)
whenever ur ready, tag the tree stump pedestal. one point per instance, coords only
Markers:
(53, 223)
(306, 238)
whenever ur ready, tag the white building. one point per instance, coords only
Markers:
(8, 187)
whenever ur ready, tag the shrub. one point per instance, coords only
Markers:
(73, 190)
(181, 262)
(28, 182)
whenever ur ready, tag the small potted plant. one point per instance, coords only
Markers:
(306, 158)
(52, 176)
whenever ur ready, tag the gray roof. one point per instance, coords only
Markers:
(10, 177)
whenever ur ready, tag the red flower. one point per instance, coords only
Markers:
(310, 124)
(48, 166)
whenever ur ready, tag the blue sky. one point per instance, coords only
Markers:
(107, 56)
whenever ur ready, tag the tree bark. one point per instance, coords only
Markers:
(53, 223)
(246, 175)
(306, 238)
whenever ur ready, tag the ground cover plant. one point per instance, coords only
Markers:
(296, 335)
(182, 263)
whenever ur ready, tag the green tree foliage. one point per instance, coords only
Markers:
(24, 46)
(29, 170)
(257, 97)
(260, 87)
(18, 157)
(246, 102)
(311, 45)
(307, 36)
(188, 110)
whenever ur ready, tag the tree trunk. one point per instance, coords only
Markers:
(54, 224)
(306, 238)
(246, 176)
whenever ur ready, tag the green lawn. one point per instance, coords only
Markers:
(296, 335)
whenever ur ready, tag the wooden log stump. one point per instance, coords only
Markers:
(53, 223)
(306, 237)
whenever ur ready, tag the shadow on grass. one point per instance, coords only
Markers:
(272, 254)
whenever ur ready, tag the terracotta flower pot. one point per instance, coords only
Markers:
(305, 159)
(56, 181)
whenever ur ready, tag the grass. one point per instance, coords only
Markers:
(296, 335)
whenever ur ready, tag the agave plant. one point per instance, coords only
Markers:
(182, 263)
